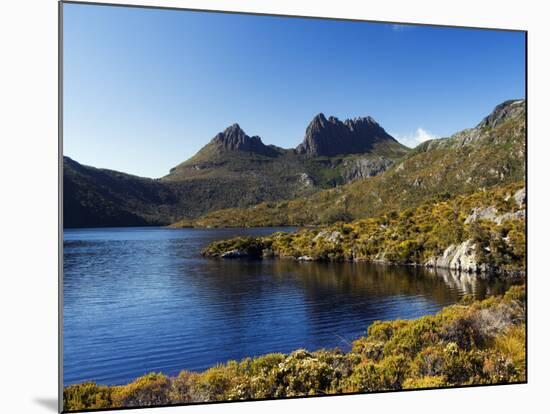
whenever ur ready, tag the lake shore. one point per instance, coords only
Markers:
(142, 299)
(454, 259)
(473, 342)
(480, 233)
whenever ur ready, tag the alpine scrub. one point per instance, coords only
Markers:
(473, 342)
(485, 230)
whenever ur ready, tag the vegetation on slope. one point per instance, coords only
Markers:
(94, 197)
(491, 223)
(491, 154)
(215, 177)
(474, 342)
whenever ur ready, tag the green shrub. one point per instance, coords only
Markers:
(413, 236)
(86, 395)
(148, 390)
(475, 342)
(184, 390)
(424, 382)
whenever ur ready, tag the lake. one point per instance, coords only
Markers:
(138, 300)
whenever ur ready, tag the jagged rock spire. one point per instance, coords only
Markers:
(233, 138)
(329, 137)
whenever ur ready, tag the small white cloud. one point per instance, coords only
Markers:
(412, 140)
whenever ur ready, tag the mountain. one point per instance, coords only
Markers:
(330, 137)
(94, 197)
(235, 139)
(332, 153)
(491, 153)
(506, 110)
(237, 180)
(232, 170)
(229, 152)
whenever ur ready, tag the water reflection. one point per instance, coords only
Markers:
(141, 300)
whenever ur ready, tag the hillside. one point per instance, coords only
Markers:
(489, 154)
(94, 197)
(215, 177)
(482, 232)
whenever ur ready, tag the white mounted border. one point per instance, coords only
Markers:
(29, 202)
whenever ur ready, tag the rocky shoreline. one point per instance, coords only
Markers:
(459, 259)
(482, 233)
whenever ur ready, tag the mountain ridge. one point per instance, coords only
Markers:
(233, 138)
(491, 153)
(323, 138)
(213, 179)
(236, 178)
(331, 137)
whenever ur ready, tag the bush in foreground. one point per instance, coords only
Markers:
(480, 342)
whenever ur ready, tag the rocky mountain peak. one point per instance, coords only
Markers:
(329, 137)
(361, 120)
(233, 138)
(319, 118)
(502, 112)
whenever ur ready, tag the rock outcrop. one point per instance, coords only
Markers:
(502, 112)
(330, 136)
(364, 167)
(520, 197)
(233, 138)
(234, 254)
(334, 237)
(460, 258)
(491, 214)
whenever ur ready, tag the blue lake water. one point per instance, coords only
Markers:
(138, 300)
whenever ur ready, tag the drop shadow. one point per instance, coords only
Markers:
(49, 403)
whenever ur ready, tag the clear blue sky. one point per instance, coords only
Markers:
(145, 89)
